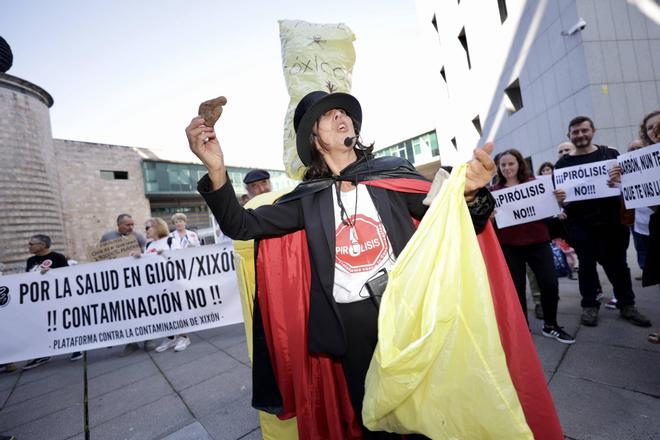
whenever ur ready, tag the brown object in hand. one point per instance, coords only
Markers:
(211, 110)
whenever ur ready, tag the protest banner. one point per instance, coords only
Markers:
(118, 247)
(588, 181)
(640, 177)
(525, 203)
(117, 301)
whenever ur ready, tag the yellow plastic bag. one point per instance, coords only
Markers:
(439, 368)
(314, 57)
(272, 428)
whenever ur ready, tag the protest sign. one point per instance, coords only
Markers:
(640, 177)
(117, 301)
(525, 203)
(118, 247)
(588, 181)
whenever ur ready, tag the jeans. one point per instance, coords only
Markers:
(641, 243)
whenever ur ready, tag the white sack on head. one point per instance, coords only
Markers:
(314, 57)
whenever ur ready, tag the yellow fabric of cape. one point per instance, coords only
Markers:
(439, 368)
(272, 428)
(314, 57)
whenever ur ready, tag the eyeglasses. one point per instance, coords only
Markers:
(33, 244)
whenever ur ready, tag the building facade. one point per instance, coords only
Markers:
(73, 191)
(517, 71)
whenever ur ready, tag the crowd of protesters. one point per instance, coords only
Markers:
(586, 233)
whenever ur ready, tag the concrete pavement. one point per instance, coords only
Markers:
(605, 386)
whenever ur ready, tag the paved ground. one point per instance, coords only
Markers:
(605, 386)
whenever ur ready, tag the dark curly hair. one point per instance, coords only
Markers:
(318, 168)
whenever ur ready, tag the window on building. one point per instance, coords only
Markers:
(514, 101)
(434, 22)
(501, 4)
(463, 39)
(443, 74)
(477, 124)
(453, 142)
(417, 146)
(114, 175)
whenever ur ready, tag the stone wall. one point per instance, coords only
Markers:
(29, 183)
(91, 203)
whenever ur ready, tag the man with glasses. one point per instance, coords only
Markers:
(125, 225)
(42, 260)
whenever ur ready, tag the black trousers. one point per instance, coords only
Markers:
(539, 258)
(360, 321)
(607, 245)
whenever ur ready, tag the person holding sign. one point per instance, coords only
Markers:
(42, 260)
(529, 244)
(355, 216)
(595, 230)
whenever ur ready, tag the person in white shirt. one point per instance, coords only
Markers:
(183, 237)
(180, 238)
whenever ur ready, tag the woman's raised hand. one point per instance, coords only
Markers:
(480, 171)
(204, 144)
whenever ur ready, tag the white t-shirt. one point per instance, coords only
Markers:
(642, 218)
(362, 248)
(189, 239)
(160, 245)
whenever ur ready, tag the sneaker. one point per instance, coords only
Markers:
(7, 368)
(599, 295)
(130, 348)
(611, 304)
(589, 316)
(538, 311)
(166, 344)
(7, 437)
(149, 345)
(573, 275)
(558, 334)
(632, 314)
(76, 356)
(34, 363)
(182, 343)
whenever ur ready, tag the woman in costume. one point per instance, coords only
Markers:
(356, 213)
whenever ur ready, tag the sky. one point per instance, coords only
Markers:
(134, 72)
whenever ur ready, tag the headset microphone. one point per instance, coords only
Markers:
(349, 141)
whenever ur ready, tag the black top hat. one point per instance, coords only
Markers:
(255, 176)
(310, 108)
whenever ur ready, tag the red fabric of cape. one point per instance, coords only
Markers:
(313, 387)
(521, 356)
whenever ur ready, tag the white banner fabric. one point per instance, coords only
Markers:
(640, 177)
(588, 181)
(525, 203)
(118, 301)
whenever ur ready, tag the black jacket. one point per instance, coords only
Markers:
(313, 212)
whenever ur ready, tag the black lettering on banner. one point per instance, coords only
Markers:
(519, 194)
(132, 277)
(35, 291)
(65, 290)
(165, 271)
(195, 298)
(120, 310)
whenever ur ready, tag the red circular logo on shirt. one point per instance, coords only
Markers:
(363, 247)
(46, 264)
